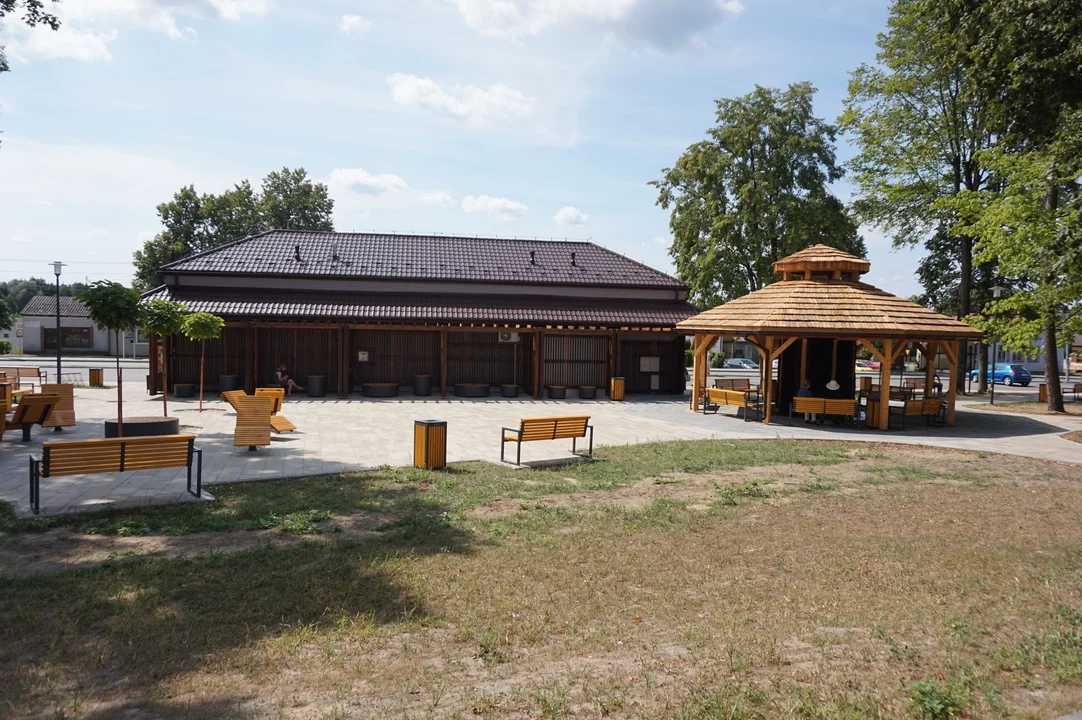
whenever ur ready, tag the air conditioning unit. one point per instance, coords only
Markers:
(509, 337)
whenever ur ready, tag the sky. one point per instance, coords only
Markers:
(524, 118)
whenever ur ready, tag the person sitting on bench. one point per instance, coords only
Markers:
(805, 391)
(285, 381)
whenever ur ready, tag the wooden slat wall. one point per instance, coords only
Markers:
(224, 356)
(672, 367)
(479, 357)
(394, 356)
(576, 360)
(305, 352)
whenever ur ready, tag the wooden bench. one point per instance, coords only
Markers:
(1075, 390)
(107, 455)
(253, 421)
(930, 409)
(552, 428)
(32, 410)
(840, 407)
(716, 397)
(63, 414)
(277, 395)
(733, 384)
(32, 374)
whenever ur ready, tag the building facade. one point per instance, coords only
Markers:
(361, 308)
(78, 333)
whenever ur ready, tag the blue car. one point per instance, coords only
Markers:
(1007, 374)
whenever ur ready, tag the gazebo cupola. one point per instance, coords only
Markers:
(821, 262)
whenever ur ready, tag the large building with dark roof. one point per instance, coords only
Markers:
(366, 307)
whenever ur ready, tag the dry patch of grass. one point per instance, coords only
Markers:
(893, 579)
(1075, 436)
(1028, 408)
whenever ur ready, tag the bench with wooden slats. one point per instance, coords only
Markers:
(253, 421)
(733, 384)
(840, 407)
(714, 398)
(28, 374)
(32, 410)
(63, 414)
(109, 455)
(552, 428)
(279, 423)
(930, 409)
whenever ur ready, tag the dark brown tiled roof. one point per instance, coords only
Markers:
(425, 257)
(427, 308)
(46, 305)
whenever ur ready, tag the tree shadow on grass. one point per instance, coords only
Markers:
(124, 627)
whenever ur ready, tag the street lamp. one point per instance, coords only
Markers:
(996, 292)
(56, 271)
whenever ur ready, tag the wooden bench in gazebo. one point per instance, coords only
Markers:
(811, 323)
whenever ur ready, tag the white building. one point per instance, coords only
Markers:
(78, 334)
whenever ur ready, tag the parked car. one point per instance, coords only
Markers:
(866, 365)
(741, 364)
(1006, 374)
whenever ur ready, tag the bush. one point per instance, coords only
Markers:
(5, 347)
(936, 701)
(689, 357)
(717, 360)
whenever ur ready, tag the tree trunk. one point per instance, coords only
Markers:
(119, 392)
(1051, 369)
(982, 367)
(965, 286)
(202, 353)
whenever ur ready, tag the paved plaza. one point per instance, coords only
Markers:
(344, 435)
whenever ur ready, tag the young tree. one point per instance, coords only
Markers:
(201, 327)
(163, 318)
(919, 119)
(194, 223)
(114, 308)
(1031, 239)
(753, 192)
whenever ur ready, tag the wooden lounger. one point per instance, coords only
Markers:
(33, 410)
(278, 395)
(63, 415)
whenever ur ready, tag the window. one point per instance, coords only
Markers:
(71, 338)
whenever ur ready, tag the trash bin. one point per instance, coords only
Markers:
(227, 383)
(1042, 393)
(430, 444)
(557, 392)
(616, 388)
(97, 377)
(422, 385)
(316, 385)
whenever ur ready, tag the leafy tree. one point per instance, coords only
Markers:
(201, 327)
(115, 309)
(753, 192)
(7, 309)
(163, 318)
(19, 292)
(919, 119)
(194, 223)
(1031, 239)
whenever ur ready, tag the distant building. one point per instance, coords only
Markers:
(14, 335)
(78, 334)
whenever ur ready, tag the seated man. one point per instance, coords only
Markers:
(285, 381)
(805, 391)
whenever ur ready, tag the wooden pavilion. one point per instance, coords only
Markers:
(812, 321)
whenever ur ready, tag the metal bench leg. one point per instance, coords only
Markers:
(503, 444)
(26, 431)
(591, 441)
(518, 457)
(199, 473)
(573, 445)
(35, 486)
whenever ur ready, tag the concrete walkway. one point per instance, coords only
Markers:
(340, 435)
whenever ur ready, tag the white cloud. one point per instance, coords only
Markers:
(469, 103)
(666, 24)
(571, 216)
(354, 26)
(501, 208)
(41, 43)
(357, 191)
(661, 240)
(156, 15)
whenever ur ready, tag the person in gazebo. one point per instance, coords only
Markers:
(805, 391)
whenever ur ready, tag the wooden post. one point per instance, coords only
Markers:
(700, 365)
(803, 360)
(443, 362)
(538, 358)
(612, 356)
(343, 361)
(953, 351)
(253, 380)
(768, 360)
(929, 371)
(884, 385)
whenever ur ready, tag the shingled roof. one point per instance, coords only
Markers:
(46, 305)
(392, 307)
(424, 257)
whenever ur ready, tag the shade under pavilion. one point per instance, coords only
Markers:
(821, 297)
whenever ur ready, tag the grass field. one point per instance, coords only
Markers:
(706, 579)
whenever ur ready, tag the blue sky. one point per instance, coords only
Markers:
(509, 117)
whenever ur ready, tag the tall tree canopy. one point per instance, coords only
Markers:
(756, 190)
(18, 292)
(194, 223)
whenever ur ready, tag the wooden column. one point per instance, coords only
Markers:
(953, 351)
(884, 385)
(931, 350)
(253, 378)
(768, 397)
(343, 361)
(443, 362)
(538, 358)
(612, 355)
(152, 364)
(803, 360)
(700, 365)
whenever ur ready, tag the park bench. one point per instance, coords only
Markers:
(108, 455)
(31, 375)
(552, 428)
(733, 384)
(1075, 390)
(32, 410)
(826, 406)
(253, 418)
(930, 409)
(279, 423)
(716, 397)
(63, 414)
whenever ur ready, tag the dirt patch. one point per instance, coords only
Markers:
(1027, 408)
(1075, 436)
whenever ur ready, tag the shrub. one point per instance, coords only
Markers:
(936, 701)
(717, 360)
(5, 347)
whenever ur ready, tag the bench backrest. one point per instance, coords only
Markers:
(809, 404)
(913, 382)
(914, 407)
(839, 407)
(554, 427)
(104, 455)
(5, 396)
(931, 406)
(732, 383)
(253, 420)
(230, 395)
(63, 414)
(277, 395)
(34, 409)
(1077, 388)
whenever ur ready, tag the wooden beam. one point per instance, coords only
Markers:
(782, 348)
(874, 351)
(953, 350)
(538, 359)
(929, 371)
(443, 363)
(803, 360)
(950, 350)
(884, 387)
(768, 410)
(897, 351)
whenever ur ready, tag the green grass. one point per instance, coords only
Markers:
(396, 491)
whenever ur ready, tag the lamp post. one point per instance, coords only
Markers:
(996, 292)
(57, 266)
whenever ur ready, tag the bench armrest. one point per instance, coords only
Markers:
(517, 431)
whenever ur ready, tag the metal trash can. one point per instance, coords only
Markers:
(97, 377)
(616, 388)
(317, 385)
(422, 385)
(430, 444)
